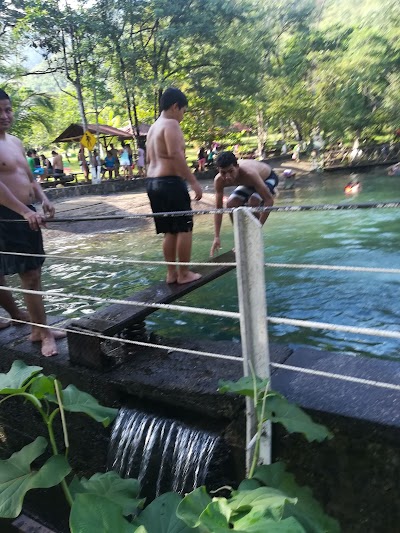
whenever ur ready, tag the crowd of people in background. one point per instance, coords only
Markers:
(117, 163)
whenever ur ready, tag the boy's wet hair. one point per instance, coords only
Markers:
(226, 159)
(172, 96)
(4, 95)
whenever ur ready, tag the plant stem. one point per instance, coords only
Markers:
(260, 424)
(62, 414)
(49, 424)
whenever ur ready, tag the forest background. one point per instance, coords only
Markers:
(283, 68)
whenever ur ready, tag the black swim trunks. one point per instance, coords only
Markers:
(166, 194)
(245, 192)
(18, 237)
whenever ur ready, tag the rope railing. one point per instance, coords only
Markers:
(332, 375)
(218, 313)
(108, 260)
(283, 366)
(133, 303)
(214, 312)
(100, 336)
(276, 208)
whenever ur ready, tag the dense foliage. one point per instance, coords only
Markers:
(287, 67)
(268, 500)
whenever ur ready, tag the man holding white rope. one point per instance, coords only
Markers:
(18, 190)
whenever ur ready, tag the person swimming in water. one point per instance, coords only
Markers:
(354, 186)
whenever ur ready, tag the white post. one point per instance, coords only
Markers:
(249, 250)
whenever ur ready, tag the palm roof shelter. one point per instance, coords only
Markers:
(74, 133)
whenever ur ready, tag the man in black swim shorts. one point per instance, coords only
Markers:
(255, 183)
(168, 175)
(20, 232)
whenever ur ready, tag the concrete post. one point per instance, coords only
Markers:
(249, 251)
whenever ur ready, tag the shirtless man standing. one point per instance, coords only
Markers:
(18, 189)
(255, 183)
(166, 187)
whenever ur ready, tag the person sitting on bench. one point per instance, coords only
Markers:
(58, 165)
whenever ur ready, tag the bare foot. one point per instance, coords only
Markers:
(49, 346)
(4, 323)
(57, 334)
(188, 277)
(172, 275)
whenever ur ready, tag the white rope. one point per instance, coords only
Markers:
(199, 310)
(283, 366)
(213, 312)
(276, 208)
(129, 341)
(108, 260)
(334, 267)
(334, 327)
(342, 377)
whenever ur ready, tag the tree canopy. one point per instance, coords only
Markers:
(290, 66)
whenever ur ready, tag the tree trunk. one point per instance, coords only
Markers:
(261, 133)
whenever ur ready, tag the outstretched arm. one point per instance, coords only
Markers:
(267, 198)
(219, 202)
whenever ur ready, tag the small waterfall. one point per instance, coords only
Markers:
(161, 453)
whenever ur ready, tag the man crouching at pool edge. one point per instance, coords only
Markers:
(255, 183)
(18, 190)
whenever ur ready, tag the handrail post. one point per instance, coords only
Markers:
(249, 251)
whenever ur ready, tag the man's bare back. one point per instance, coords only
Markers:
(58, 162)
(251, 174)
(166, 150)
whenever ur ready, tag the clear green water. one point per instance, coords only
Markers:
(356, 238)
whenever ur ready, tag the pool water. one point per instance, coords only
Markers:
(364, 237)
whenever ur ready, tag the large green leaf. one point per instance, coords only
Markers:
(16, 377)
(92, 513)
(257, 524)
(307, 511)
(16, 476)
(294, 419)
(216, 515)
(267, 501)
(41, 386)
(160, 516)
(244, 386)
(123, 492)
(192, 505)
(77, 401)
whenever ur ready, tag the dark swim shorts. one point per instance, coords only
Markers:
(166, 194)
(245, 192)
(18, 237)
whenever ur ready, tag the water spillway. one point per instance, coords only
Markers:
(163, 454)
